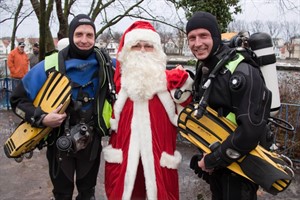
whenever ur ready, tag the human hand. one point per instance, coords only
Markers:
(194, 165)
(201, 164)
(178, 66)
(54, 119)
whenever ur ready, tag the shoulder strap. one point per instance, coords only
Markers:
(51, 62)
(109, 70)
(245, 55)
(211, 77)
(232, 65)
(249, 56)
(56, 61)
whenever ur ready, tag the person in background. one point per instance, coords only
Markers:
(90, 106)
(18, 62)
(141, 158)
(241, 92)
(34, 58)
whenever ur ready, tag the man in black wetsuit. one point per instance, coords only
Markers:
(238, 89)
(90, 108)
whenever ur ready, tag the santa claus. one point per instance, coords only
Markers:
(141, 158)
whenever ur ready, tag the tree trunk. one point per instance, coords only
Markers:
(15, 27)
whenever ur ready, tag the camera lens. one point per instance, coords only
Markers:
(83, 129)
(63, 143)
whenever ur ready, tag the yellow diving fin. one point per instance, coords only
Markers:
(55, 91)
(267, 169)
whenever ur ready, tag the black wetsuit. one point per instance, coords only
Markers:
(89, 97)
(243, 93)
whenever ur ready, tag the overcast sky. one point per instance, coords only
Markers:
(270, 10)
(252, 10)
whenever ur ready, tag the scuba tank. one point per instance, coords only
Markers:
(261, 44)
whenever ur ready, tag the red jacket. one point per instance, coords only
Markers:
(17, 63)
(141, 158)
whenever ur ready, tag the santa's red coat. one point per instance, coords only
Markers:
(141, 158)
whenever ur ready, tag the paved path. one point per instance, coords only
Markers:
(29, 179)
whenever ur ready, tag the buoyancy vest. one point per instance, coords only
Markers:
(231, 66)
(102, 108)
(231, 63)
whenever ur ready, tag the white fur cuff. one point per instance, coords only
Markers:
(112, 155)
(170, 161)
(113, 124)
(174, 120)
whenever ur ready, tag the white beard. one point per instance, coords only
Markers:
(142, 74)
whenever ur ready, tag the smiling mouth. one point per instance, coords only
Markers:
(200, 51)
(85, 47)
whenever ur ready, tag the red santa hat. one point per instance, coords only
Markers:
(139, 30)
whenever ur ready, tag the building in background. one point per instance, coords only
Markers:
(283, 50)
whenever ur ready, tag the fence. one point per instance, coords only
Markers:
(6, 85)
(288, 142)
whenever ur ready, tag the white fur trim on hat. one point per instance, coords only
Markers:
(170, 161)
(112, 155)
(141, 34)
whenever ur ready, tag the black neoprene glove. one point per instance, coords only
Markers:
(194, 166)
(37, 118)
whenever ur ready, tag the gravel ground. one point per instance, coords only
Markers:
(29, 179)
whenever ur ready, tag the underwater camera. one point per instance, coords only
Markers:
(76, 139)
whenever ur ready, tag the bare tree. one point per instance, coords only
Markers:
(117, 36)
(104, 13)
(180, 38)
(96, 10)
(6, 12)
(106, 37)
(237, 26)
(124, 9)
(15, 12)
(295, 28)
(43, 12)
(273, 28)
(165, 37)
(15, 26)
(290, 29)
(287, 6)
(63, 13)
(257, 26)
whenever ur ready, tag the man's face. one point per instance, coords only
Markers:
(200, 42)
(35, 50)
(21, 48)
(84, 37)
(143, 46)
(143, 71)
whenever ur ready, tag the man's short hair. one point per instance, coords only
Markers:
(36, 45)
(22, 44)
